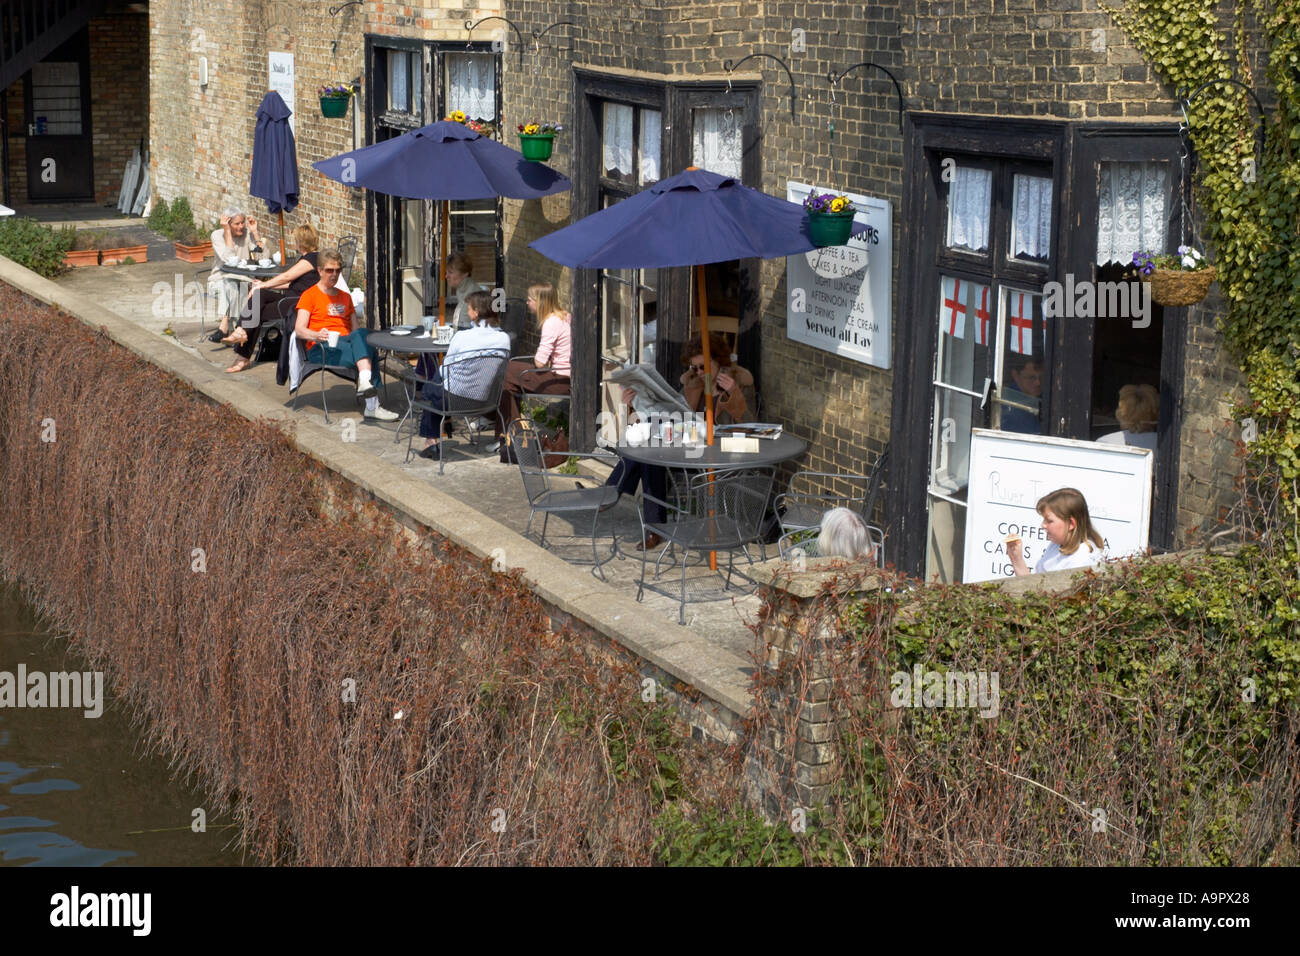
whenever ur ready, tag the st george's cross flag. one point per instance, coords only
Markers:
(952, 306)
(982, 314)
(1021, 319)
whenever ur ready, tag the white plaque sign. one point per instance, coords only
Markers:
(281, 81)
(839, 298)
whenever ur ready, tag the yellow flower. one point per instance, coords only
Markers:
(457, 116)
(838, 204)
(531, 129)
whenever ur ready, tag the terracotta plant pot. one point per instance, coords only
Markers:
(81, 257)
(114, 256)
(829, 228)
(536, 147)
(334, 107)
(193, 253)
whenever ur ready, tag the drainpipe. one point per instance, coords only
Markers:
(4, 142)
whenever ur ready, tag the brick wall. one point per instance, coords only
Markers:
(17, 171)
(119, 97)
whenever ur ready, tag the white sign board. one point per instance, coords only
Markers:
(1009, 472)
(839, 298)
(281, 81)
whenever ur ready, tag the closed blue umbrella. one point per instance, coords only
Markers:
(274, 177)
(444, 160)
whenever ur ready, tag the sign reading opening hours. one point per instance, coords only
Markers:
(839, 298)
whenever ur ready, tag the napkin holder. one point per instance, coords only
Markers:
(739, 444)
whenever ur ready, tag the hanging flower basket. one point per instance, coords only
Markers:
(334, 107)
(536, 140)
(830, 228)
(334, 99)
(536, 148)
(1176, 280)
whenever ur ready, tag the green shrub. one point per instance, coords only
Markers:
(180, 224)
(160, 217)
(35, 245)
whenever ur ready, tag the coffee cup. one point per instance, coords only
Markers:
(232, 260)
(333, 339)
(264, 263)
(276, 258)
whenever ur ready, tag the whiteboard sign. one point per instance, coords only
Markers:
(1009, 472)
(281, 80)
(839, 298)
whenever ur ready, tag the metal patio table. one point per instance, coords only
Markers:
(416, 344)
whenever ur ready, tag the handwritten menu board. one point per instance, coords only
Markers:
(1009, 472)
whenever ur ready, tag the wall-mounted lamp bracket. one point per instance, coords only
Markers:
(834, 79)
(334, 11)
(471, 24)
(1185, 100)
(732, 67)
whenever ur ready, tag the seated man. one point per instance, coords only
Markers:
(324, 310)
(1027, 375)
(485, 332)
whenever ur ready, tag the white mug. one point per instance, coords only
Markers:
(276, 258)
(264, 263)
(333, 339)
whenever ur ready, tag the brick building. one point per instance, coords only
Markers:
(74, 97)
(1034, 145)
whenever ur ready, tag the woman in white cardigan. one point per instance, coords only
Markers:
(236, 240)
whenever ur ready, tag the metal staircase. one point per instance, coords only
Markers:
(30, 30)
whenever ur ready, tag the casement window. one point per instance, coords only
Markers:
(412, 83)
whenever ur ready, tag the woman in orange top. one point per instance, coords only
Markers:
(321, 310)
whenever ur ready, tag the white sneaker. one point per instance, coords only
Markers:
(379, 413)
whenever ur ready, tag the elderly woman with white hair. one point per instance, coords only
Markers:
(236, 241)
(844, 535)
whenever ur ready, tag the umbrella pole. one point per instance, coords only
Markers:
(701, 299)
(442, 266)
(281, 238)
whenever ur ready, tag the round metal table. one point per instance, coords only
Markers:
(416, 343)
(771, 451)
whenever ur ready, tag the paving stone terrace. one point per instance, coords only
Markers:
(473, 475)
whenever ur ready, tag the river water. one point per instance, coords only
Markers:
(77, 791)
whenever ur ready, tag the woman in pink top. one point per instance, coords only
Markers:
(553, 354)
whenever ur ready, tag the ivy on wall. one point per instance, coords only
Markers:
(1250, 201)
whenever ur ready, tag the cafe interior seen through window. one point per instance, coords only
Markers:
(991, 366)
(630, 160)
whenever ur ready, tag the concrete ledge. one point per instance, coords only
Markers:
(717, 673)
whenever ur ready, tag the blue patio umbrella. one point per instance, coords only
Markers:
(274, 177)
(444, 160)
(690, 219)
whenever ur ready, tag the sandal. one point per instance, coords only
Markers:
(237, 337)
(241, 365)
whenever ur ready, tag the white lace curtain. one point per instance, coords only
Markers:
(1031, 217)
(471, 85)
(970, 197)
(1131, 213)
(617, 141)
(717, 141)
(649, 145)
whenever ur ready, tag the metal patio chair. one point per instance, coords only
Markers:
(309, 368)
(544, 495)
(471, 386)
(802, 507)
(723, 511)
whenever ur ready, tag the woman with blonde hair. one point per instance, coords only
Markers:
(1138, 414)
(553, 354)
(1075, 543)
(264, 297)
